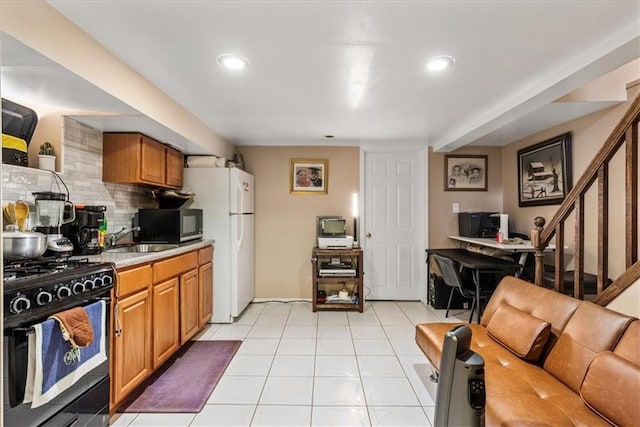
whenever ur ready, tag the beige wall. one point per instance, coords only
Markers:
(285, 223)
(588, 135)
(442, 221)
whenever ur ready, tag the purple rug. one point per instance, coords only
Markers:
(185, 382)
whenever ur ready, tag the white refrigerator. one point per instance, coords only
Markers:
(226, 197)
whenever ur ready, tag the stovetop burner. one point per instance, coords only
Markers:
(40, 266)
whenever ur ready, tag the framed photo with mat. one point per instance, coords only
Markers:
(308, 176)
(544, 172)
(465, 172)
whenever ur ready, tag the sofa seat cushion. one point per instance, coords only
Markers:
(521, 333)
(611, 388)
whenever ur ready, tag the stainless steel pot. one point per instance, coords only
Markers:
(22, 244)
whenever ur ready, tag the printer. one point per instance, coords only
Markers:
(331, 233)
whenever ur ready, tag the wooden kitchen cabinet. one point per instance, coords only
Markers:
(175, 168)
(205, 285)
(159, 306)
(189, 317)
(131, 340)
(166, 318)
(134, 158)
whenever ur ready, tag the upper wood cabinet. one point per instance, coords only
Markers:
(134, 158)
(175, 167)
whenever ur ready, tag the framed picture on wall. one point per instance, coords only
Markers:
(309, 176)
(544, 172)
(465, 172)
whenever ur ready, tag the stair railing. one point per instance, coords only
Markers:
(624, 134)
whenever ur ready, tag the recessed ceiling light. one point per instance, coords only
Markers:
(439, 63)
(233, 62)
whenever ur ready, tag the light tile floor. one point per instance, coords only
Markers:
(299, 368)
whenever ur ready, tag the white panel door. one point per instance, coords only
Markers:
(394, 224)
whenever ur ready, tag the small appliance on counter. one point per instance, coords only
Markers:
(18, 126)
(169, 225)
(50, 216)
(479, 224)
(85, 230)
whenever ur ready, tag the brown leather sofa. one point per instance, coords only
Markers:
(551, 360)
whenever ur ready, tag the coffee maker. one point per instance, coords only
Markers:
(50, 216)
(84, 231)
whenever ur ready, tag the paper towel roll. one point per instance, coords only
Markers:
(201, 161)
(504, 225)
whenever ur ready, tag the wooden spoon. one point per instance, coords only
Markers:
(21, 214)
(10, 214)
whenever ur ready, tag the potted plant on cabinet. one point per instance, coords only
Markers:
(46, 157)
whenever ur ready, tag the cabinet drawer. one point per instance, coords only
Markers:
(205, 255)
(133, 280)
(172, 267)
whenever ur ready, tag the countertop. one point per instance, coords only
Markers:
(525, 246)
(128, 259)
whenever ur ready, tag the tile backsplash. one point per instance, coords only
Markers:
(82, 174)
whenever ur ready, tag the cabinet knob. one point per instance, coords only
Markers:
(368, 235)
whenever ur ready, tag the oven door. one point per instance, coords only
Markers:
(84, 403)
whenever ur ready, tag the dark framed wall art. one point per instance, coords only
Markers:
(308, 176)
(544, 172)
(465, 172)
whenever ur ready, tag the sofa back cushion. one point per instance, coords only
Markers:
(591, 330)
(629, 345)
(519, 332)
(542, 303)
(611, 388)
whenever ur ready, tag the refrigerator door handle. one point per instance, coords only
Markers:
(240, 230)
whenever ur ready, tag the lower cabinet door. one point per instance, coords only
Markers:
(132, 343)
(166, 320)
(205, 289)
(189, 324)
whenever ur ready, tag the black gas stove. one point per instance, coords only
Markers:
(34, 290)
(39, 287)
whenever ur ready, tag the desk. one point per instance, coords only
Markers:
(476, 263)
(523, 248)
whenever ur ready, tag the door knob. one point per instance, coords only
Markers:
(368, 235)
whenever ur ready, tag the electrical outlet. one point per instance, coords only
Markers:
(456, 207)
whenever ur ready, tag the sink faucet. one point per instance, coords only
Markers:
(115, 237)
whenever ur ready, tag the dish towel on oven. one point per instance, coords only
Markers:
(52, 367)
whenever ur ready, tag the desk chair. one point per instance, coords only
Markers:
(451, 277)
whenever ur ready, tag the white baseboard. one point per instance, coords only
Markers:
(281, 299)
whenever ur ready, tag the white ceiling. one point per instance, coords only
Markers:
(356, 69)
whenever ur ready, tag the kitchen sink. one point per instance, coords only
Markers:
(143, 248)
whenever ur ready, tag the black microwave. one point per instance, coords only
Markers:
(169, 225)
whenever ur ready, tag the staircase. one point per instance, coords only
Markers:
(624, 136)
